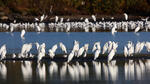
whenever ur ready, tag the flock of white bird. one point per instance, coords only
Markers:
(77, 51)
(81, 71)
(84, 25)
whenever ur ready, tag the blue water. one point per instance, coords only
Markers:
(14, 42)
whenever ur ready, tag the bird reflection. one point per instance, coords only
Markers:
(3, 70)
(41, 72)
(53, 69)
(136, 69)
(26, 70)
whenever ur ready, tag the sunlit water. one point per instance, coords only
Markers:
(14, 42)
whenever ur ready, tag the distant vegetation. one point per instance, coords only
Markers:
(75, 7)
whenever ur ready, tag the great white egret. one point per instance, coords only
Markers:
(70, 57)
(105, 47)
(126, 16)
(22, 34)
(93, 17)
(137, 29)
(63, 47)
(125, 51)
(96, 55)
(80, 52)
(56, 18)
(52, 51)
(113, 30)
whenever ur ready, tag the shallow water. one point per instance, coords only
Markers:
(121, 71)
(137, 71)
(14, 42)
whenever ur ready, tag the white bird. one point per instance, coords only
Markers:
(75, 48)
(147, 45)
(22, 34)
(70, 57)
(113, 30)
(52, 51)
(86, 20)
(41, 52)
(37, 45)
(3, 52)
(126, 16)
(54, 48)
(36, 19)
(125, 51)
(63, 47)
(80, 52)
(96, 46)
(43, 17)
(97, 52)
(56, 18)
(105, 48)
(111, 55)
(137, 29)
(86, 46)
(93, 17)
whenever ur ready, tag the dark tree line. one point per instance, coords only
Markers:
(75, 7)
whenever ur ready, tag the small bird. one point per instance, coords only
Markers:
(113, 30)
(70, 57)
(137, 29)
(126, 16)
(80, 52)
(63, 47)
(56, 18)
(94, 18)
(97, 52)
(125, 51)
(111, 55)
(22, 34)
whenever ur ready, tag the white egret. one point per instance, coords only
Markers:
(113, 30)
(41, 52)
(105, 48)
(126, 16)
(137, 29)
(125, 51)
(80, 52)
(93, 17)
(86, 46)
(96, 46)
(111, 55)
(22, 34)
(56, 18)
(96, 55)
(63, 47)
(70, 57)
(75, 48)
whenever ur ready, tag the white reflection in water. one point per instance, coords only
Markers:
(26, 70)
(136, 70)
(129, 70)
(63, 71)
(3, 70)
(53, 69)
(105, 71)
(97, 69)
(113, 70)
(41, 72)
